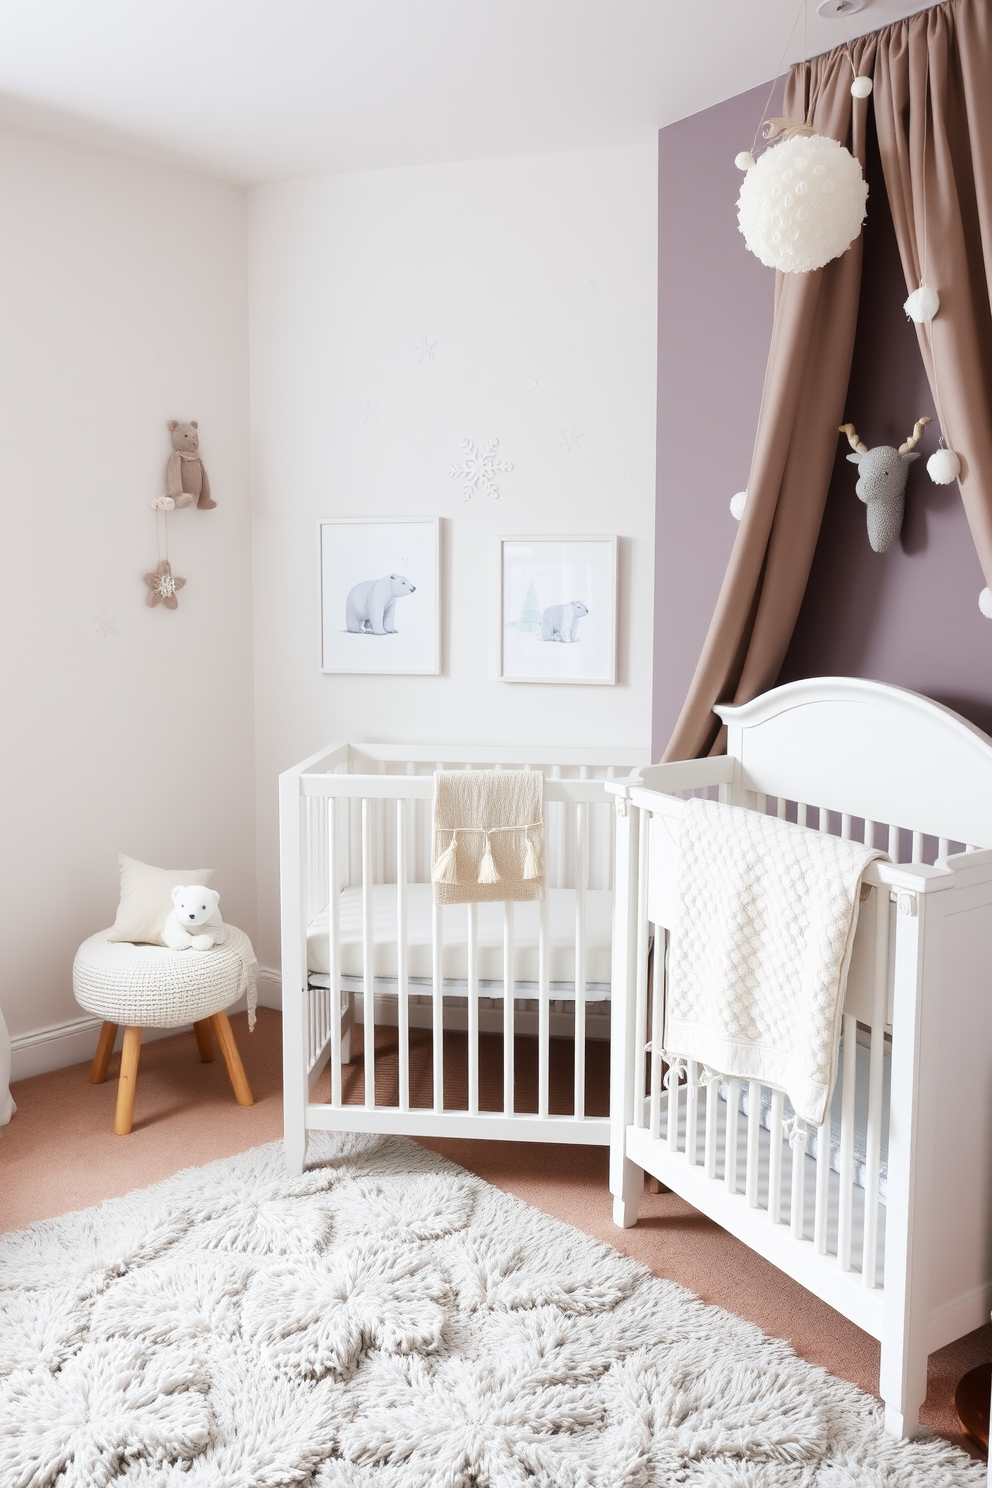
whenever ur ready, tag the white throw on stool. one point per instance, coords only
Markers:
(146, 986)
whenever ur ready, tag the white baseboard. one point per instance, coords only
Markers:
(74, 1042)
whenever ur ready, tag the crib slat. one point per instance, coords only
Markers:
(368, 951)
(508, 1007)
(559, 810)
(334, 947)
(402, 956)
(775, 1158)
(917, 847)
(801, 813)
(797, 1211)
(657, 1024)
(845, 826)
(712, 1096)
(543, 1006)
(781, 809)
(674, 1095)
(730, 1146)
(876, 1069)
(753, 1143)
(845, 1204)
(473, 1008)
(821, 1212)
(437, 1006)
(691, 1112)
(581, 884)
(642, 968)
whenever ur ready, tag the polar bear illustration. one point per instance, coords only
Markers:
(371, 604)
(561, 622)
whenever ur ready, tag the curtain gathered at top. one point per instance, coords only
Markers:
(933, 114)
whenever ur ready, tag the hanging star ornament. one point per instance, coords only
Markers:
(163, 585)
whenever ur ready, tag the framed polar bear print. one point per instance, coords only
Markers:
(558, 620)
(380, 594)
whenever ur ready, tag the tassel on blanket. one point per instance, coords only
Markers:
(487, 868)
(796, 1131)
(446, 867)
(531, 868)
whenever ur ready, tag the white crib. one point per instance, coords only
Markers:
(363, 944)
(888, 1214)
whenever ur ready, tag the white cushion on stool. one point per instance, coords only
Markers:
(145, 986)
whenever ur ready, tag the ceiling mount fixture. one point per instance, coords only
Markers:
(835, 9)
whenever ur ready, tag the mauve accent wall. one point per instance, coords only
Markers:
(909, 616)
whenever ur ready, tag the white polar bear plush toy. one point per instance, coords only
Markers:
(195, 923)
(371, 604)
(561, 622)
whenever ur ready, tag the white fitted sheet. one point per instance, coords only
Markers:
(454, 923)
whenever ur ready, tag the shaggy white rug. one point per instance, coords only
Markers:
(390, 1321)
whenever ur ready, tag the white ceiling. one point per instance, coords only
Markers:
(256, 90)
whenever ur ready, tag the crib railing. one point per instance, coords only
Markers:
(357, 820)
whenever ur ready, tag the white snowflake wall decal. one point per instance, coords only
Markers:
(106, 624)
(425, 350)
(569, 440)
(370, 413)
(478, 470)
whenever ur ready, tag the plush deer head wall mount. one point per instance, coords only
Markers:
(883, 473)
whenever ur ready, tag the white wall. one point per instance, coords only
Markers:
(123, 303)
(535, 279)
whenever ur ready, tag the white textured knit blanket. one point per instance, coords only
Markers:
(488, 822)
(760, 950)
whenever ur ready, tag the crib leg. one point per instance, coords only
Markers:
(902, 1384)
(295, 1148)
(626, 1201)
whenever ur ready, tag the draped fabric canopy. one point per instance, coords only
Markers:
(933, 112)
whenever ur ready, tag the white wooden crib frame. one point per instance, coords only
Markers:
(888, 759)
(361, 815)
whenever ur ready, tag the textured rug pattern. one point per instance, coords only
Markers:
(390, 1321)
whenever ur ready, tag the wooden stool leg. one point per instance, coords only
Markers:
(104, 1049)
(204, 1041)
(229, 1049)
(128, 1080)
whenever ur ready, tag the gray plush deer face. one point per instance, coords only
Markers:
(882, 475)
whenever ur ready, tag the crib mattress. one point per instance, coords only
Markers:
(454, 931)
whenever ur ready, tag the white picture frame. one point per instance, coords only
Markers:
(384, 572)
(558, 610)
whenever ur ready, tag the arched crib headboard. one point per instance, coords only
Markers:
(867, 749)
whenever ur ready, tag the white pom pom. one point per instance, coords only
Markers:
(737, 504)
(861, 87)
(803, 204)
(943, 467)
(985, 603)
(922, 305)
(162, 503)
(745, 160)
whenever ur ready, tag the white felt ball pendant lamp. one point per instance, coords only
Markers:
(922, 305)
(943, 467)
(985, 603)
(802, 204)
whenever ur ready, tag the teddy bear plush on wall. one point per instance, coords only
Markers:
(185, 479)
(195, 923)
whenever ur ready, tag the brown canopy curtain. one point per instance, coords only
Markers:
(936, 66)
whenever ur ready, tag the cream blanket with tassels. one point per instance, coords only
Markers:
(760, 950)
(488, 835)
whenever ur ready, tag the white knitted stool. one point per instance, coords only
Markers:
(144, 986)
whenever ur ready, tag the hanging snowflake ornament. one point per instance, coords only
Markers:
(478, 470)
(803, 203)
(163, 585)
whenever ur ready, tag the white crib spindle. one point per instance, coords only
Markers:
(691, 1111)
(781, 808)
(876, 1068)
(917, 847)
(845, 1206)
(730, 1147)
(776, 1140)
(508, 1007)
(402, 956)
(822, 1211)
(674, 1096)
(802, 811)
(751, 1180)
(368, 952)
(559, 812)
(797, 1211)
(646, 962)
(437, 1005)
(543, 1006)
(845, 826)
(581, 883)
(473, 1008)
(657, 1025)
(709, 1144)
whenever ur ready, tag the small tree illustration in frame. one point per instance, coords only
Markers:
(559, 609)
(379, 585)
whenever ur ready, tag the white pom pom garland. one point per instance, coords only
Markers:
(943, 467)
(861, 87)
(745, 161)
(922, 305)
(737, 504)
(803, 204)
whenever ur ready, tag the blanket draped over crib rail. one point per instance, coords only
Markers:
(760, 951)
(488, 835)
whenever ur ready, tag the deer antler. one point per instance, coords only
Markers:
(852, 438)
(914, 438)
